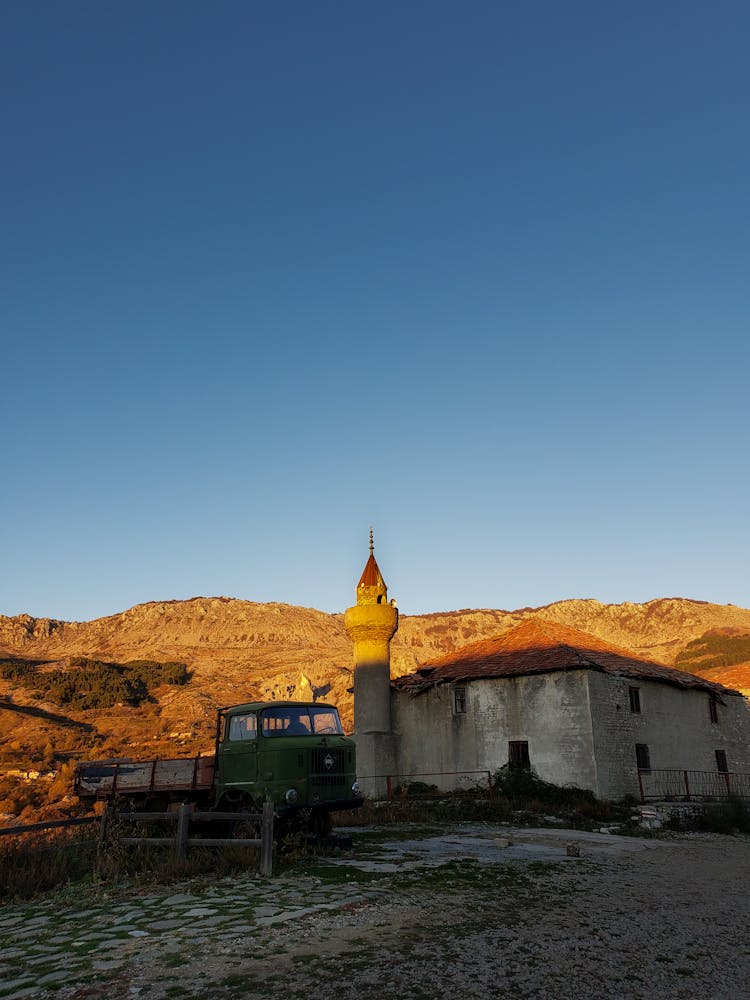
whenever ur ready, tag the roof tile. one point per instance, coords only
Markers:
(538, 646)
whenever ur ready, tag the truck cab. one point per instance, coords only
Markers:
(293, 753)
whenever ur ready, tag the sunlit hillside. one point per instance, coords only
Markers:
(148, 681)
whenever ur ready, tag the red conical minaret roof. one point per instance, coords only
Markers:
(371, 584)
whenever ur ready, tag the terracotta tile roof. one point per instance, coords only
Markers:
(537, 646)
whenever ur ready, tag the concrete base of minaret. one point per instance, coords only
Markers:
(376, 762)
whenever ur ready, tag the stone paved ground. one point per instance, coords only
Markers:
(452, 912)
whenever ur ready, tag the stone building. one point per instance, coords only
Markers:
(576, 709)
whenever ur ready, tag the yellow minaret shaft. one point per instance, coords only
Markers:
(371, 625)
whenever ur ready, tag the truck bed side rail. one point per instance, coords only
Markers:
(105, 779)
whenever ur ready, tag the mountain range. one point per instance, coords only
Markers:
(241, 651)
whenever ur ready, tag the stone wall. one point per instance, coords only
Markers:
(579, 727)
(549, 711)
(674, 723)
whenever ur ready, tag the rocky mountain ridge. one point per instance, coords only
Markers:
(239, 650)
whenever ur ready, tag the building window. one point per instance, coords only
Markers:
(518, 754)
(713, 709)
(721, 761)
(635, 700)
(459, 699)
(642, 756)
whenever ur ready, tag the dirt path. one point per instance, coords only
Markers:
(455, 912)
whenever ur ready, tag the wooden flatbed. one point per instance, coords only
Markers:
(104, 779)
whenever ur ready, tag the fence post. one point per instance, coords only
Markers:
(266, 841)
(388, 788)
(104, 825)
(687, 787)
(726, 781)
(183, 819)
(640, 785)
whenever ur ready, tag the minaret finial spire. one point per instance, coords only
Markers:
(372, 544)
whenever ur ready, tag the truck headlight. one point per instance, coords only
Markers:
(355, 788)
(291, 796)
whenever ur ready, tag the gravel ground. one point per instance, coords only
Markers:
(456, 912)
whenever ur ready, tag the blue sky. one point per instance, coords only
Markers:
(475, 274)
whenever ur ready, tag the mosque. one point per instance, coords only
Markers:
(576, 709)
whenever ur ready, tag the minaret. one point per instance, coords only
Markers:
(371, 625)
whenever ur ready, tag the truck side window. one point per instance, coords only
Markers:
(243, 727)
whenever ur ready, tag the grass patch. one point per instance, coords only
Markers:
(31, 866)
(172, 961)
(70, 863)
(236, 979)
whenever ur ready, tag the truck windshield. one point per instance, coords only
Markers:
(303, 721)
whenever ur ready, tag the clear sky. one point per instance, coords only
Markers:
(477, 274)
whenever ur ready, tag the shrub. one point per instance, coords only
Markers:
(525, 790)
(729, 817)
(411, 789)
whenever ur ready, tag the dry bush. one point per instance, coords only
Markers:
(31, 865)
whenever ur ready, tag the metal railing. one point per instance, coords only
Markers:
(418, 785)
(678, 784)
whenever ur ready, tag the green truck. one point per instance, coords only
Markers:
(291, 753)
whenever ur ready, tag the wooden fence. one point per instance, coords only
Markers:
(180, 840)
(56, 824)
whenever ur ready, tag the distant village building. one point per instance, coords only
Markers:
(576, 709)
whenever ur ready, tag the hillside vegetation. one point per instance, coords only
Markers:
(714, 649)
(86, 683)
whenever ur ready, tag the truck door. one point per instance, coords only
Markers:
(239, 753)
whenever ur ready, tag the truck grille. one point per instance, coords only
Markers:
(327, 767)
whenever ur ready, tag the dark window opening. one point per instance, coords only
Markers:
(459, 699)
(635, 700)
(518, 754)
(721, 761)
(642, 756)
(713, 708)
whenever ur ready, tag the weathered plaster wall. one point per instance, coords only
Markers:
(674, 723)
(376, 758)
(549, 711)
